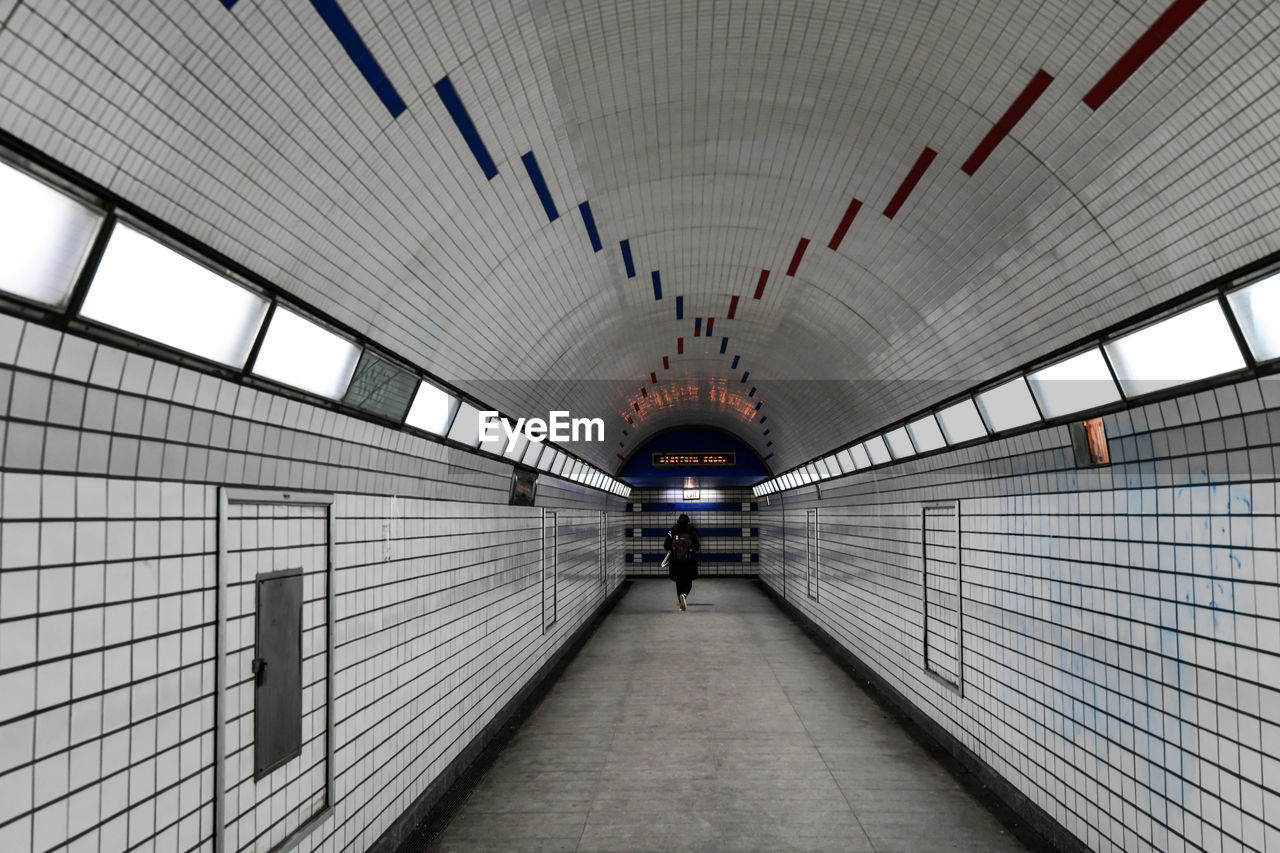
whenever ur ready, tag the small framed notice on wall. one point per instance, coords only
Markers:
(1089, 441)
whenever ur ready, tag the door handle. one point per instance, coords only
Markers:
(257, 667)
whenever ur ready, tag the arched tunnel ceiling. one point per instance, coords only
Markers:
(711, 136)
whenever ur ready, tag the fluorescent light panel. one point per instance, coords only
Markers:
(516, 451)
(1075, 384)
(900, 443)
(925, 434)
(45, 237)
(1257, 309)
(1008, 405)
(145, 288)
(877, 450)
(548, 458)
(961, 422)
(1191, 345)
(306, 355)
(466, 425)
(498, 445)
(859, 455)
(432, 410)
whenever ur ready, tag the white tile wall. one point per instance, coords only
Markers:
(108, 574)
(1121, 625)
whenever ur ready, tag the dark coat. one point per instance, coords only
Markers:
(687, 570)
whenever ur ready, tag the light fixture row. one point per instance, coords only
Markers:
(66, 253)
(1215, 338)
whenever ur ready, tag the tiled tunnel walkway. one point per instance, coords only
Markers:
(721, 728)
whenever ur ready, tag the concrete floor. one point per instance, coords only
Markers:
(721, 728)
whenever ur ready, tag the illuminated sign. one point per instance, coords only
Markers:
(695, 458)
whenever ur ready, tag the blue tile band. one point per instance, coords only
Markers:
(626, 258)
(355, 47)
(458, 112)
(589, 222)
(540, 185)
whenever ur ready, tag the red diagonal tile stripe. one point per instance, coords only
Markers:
(1016, 111)
(764, 278)
(843, 228)
(909, 182)
(795, 259)
(1140, 51)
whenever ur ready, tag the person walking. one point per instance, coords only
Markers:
(682, 545)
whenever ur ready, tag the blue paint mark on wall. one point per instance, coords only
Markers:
(626, 258)
(589, 222)
(458, 112)
(679, 307)
(355, 47)
(657, 285)
(540, 185)
(724, 345)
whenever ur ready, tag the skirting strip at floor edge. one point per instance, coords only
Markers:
(1026, 820)
(430, 813)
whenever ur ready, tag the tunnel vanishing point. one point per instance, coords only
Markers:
(954, 328)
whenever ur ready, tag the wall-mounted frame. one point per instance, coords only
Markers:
(230, 499)
(941, 595)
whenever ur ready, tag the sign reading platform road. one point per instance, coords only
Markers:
(685, 459)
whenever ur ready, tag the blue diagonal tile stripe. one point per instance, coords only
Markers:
(355, 47)
(458, 112)
(626, 258)
(589, 222)
(540, 185)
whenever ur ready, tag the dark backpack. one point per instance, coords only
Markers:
(681, 547)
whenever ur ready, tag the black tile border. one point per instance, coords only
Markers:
(1026, 821)
(423, 821)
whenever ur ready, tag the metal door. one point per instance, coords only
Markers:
(277, 670)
